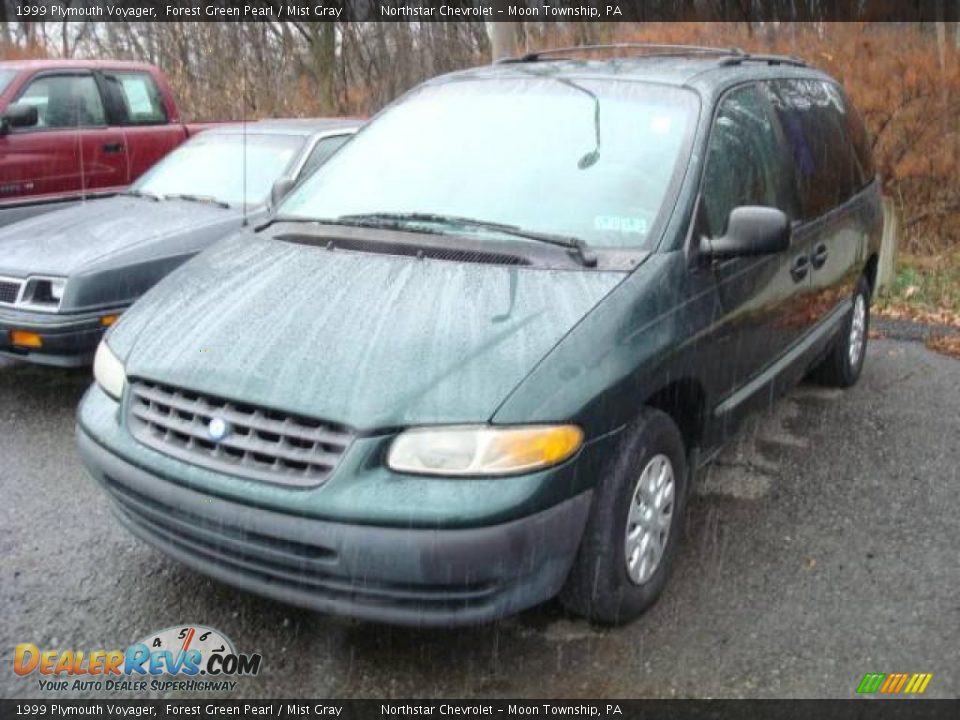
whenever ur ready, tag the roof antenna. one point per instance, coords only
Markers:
(83, 160)
(243, 121)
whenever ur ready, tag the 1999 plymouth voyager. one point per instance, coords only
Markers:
(475, 360)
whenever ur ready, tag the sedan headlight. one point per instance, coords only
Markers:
(108, 371)
(56, 289)
(44, 293)
(483, 450)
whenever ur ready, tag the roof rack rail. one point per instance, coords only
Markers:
(769, 59)
(657, 49)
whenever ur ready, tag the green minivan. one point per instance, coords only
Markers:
(477, 359)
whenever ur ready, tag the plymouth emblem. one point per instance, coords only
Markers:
(218, 429)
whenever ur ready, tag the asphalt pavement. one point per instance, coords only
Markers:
(823, 545)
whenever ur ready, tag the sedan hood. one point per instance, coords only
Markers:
(76, 239)
(365, 340)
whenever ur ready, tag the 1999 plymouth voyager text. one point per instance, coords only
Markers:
(282, 710)
(110, 11)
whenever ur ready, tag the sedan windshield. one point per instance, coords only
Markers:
(214, 166)
(5, 77)
(586, 159)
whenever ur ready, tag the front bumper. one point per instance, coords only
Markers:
(411, 576)
(68, 340)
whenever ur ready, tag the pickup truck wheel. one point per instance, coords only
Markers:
(842, 366)
(630, 541)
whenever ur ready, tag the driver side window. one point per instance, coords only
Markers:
(65, 101)
(746, 162)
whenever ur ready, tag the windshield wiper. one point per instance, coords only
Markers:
(208, 199)
(344, 221)
(574, 245)
(142, 194)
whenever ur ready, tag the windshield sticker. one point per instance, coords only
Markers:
(621, 224)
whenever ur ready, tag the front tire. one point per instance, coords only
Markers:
(842, 366)
(628, 548)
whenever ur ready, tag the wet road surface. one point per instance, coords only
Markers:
(822, 545)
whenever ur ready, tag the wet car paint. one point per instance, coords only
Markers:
(364, 340)
(114, 248)
(403, 341)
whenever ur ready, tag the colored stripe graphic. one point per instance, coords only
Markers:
(894, 683)
(870, 683)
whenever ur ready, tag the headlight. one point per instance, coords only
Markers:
(108, 371)
(483, 450)
(44, 293)
(56, 289)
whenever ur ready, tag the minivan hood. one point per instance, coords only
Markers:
(67, 241)
(365, 340)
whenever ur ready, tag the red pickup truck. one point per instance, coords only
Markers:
(72, 129)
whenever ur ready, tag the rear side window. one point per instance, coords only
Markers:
(135, 98)
(860, 140)
(746, 163)
(65, 101)
(814, 120)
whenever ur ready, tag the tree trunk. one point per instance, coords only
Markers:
(502, 40)
(323, 57)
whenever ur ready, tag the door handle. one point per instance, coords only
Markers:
(819, 256)
(800, 268)
(111, 148)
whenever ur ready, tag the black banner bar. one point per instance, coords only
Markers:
(481, 10)
(875, 709)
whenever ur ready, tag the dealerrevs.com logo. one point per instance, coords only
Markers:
(185, 657)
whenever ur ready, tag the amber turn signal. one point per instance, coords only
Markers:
(24, 338)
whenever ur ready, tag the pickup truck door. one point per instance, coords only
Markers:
(135, 107)
(71, 150)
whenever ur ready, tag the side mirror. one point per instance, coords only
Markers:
(751, 230)
(280, 189)
(19, 115)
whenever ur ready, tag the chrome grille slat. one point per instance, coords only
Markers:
(263, 444)
(240, 442)
(229, 413)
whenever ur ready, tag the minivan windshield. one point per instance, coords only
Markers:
(585, 158)
(212, 166)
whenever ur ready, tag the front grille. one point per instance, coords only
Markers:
(9, 291)
(258, 443)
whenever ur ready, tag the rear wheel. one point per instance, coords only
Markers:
(631, 538)
(842, 366)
